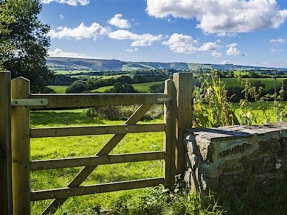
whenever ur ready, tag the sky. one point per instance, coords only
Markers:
(243, 32)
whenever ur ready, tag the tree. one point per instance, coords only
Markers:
(157, 88)
(258, 84)
(119, 87)
(24, 42)
(77, 87)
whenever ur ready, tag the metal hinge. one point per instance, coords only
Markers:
(29, 102)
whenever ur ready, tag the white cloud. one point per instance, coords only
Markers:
(209, 46)
(277, 41)
(139, 39)
(61, 16)
(213, 47)
(119, 22)
(60, 53)
(132, 50)
(180, 43)
(69, 2)
(233, 51)
(222, 16)
(216, 54)
(80, 32)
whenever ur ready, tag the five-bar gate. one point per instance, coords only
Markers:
(15, 135)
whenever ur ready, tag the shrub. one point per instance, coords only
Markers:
(77, 87)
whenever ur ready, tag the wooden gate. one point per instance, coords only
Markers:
(15, 141)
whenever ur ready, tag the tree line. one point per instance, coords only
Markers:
(121, 84)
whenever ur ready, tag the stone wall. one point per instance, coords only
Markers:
(236, 158)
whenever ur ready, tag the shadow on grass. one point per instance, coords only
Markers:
(267, 201)
(68, 117)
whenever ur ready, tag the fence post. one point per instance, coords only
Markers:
(182, 113)
(20, 121)
(169, 164)
(6, 206)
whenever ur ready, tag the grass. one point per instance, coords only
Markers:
(102, 89)
(68, 72)
(142, 87)
(63, 147)
(58, 89)
(149, 201)
(269, 82)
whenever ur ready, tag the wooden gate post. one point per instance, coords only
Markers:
(182, 113)
(6, 206)
(169, 137)
(20, 122)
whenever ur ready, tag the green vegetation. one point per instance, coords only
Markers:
(145, 87)
(58, 89)
(49, 148)
(213, 108)
(24, 42)
(142, 87)
(151, 201)
(268, 82)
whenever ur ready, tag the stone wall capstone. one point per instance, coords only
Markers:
(236, 158)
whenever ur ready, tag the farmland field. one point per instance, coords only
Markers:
(58, 89)
(142, 87)
(66, 72)
(79, 146)
(63, 147)
(269, 82)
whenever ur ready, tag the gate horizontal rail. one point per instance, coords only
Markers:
(93, 189)
(100, 99)
(95, 130)
(95, 160)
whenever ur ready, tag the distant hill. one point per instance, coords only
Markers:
(63, 63)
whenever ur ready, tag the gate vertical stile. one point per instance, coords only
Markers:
(182, 115)
(6, 206)
(20, 126)
(169, 167)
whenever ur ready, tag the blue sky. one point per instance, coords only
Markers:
(246, 32)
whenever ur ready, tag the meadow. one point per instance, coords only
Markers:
(269, 82)
(149, 201)
(144, 87)
(58, 89)
(67, 147)
(50, 148)
(141, 87)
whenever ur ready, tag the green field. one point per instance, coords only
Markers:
(142, 87)
(58, 89)
(269, 82)
(64, 147)
(69, 147)
(68, 72)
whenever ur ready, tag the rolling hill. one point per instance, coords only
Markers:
(63, 63)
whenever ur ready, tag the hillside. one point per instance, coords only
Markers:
(61, 63)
